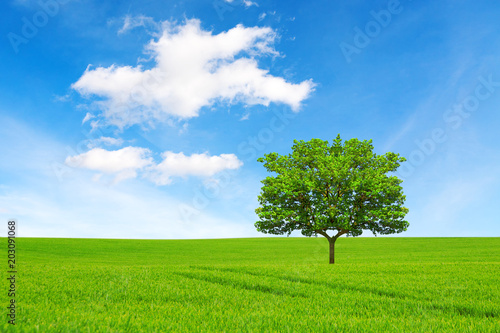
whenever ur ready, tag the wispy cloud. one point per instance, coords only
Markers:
(77, 207)
(450, 205)
(104, 140)
(132, 22)
(87, 117)
(249, 3)
(87, 209)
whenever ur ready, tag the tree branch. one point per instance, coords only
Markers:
(323, 233)
(340, 233)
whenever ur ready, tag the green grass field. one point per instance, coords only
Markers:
(256, 285)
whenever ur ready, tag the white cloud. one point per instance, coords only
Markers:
(126, 162)
(180, 165)
(123, 162)
(111, 161)
(194, 69)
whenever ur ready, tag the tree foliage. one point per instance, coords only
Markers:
(344, 187)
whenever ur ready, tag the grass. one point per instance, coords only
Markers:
(257, 285)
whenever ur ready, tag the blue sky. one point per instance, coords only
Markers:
(145, 119)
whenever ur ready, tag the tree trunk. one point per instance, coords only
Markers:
(332, 250)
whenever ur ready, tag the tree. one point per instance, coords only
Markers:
(343, 187)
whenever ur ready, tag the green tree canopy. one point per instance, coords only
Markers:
(344, 187)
